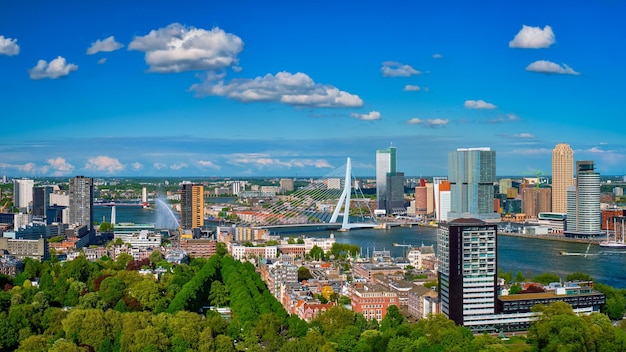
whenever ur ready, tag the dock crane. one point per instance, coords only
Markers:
(403, 249)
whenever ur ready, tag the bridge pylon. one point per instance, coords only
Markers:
(344, 200)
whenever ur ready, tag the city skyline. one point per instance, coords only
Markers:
(286, 89)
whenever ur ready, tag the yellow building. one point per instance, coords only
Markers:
(192, 206)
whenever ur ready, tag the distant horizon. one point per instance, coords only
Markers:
(182, 178)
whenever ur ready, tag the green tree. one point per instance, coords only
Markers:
(546, 278)
(578, 276)
(558, 328)
(304, 273)
(106, 227)
(112, 290)
(155, 258)
(316, 253)
(515, 289)
(35, 343)
(219, 295)
(392, 320)
(519, 277)
(507, 276)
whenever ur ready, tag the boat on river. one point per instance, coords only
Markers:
(614, 241)
(586, 254)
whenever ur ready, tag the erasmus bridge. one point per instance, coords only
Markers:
(330, 202)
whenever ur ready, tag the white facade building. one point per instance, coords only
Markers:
(23, 193)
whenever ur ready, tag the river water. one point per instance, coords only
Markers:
(528, 255)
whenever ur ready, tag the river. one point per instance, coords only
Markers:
(528, 255)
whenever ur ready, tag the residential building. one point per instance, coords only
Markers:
(583, 202)
(442, 199)
(287, 184)
(536, 200)
(472, 174)
(41, 201)
(81, 201)
(199, 248)
(385, 164)
(20, 248)
(466, 251)
(192, 206)
(23, 194)
(562, 176)
(372, 300)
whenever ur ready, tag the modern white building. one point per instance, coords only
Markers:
(23, 193)
(143, 239)
(385, 163)
(583, 202)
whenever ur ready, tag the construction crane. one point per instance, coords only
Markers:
(403, 249)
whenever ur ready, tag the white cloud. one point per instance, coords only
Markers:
(411, 88)
(293, 89)
(102, 61)
(534, 151)
(30, 168)
(437, 56)
(396, 69)
(55, 69)
(104, 163)
(544, 66)
(533, 38)
(136, 166)
(178, 166)
(428, 122)
(177, 48)
(524, 136)
(372, 115)
(107, 45)
(263, 160)
(60, 166)
(478, 104)
(8, 46)
(208, 164)
(159, 166)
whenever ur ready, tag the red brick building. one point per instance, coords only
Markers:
(372, 300)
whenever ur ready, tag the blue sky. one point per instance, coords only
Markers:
(250, 88)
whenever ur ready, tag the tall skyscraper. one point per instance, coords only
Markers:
(192, 206)
(466, 252)
(472, 173)
(41, 200)
(23, 194)
(583, 201)
(385, 163)
(81, 201)
(394, 193)
(562, 176)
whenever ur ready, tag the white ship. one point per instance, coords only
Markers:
(615, 241)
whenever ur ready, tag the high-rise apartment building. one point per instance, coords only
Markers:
(23, 194)
(385, 164)
(41, 200)
(536, 200)
(192, 206)
(472, 174)
(562, 176)
(466, 252)
(287, 184)
(583, 202)
(394, 194)
(81, 201)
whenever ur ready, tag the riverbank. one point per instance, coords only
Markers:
(553, 237)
